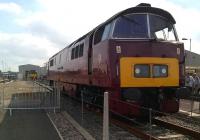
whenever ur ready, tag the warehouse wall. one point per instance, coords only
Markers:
(192, 59)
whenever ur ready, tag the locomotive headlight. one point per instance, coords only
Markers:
(160, 70)
(164, 70)
(141, 70)
(137, 71)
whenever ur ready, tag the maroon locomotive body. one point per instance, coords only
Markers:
(135, 56)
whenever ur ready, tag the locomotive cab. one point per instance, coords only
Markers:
(147, 58)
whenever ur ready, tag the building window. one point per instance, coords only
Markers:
(55, 61)
(106, 32)
(72, 54)
(98, 35)
(68, 55)
(102, 34)
(51, 62)
(81, 50)
(76, 51)
(60, 58)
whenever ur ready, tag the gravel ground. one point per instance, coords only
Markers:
(186, 105)
(66, 129)
(163, 133)
(186, 117)
(92, 122)
(188, 123)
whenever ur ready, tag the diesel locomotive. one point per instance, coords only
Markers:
(135, 55)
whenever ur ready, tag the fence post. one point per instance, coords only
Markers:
(199, 106)
(3, 95)
(56, 94)
(150, 121)
(106, 117)
(82, 107)
(1, 98)
(10, 112)
(191, 108)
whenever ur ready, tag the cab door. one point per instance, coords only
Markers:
(90, 54)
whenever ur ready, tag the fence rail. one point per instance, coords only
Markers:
(30, 97)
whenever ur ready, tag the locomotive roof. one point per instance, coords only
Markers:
(141, 8)
(144, 9)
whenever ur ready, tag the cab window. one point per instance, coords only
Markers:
(102, 34)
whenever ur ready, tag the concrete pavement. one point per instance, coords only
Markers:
(26, 125)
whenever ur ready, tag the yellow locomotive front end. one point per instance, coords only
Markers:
(149, 72)
(151, 82)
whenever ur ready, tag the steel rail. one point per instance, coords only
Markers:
(193, 98)
(135, 131)
(180, 129)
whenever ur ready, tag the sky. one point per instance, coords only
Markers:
(31, 31)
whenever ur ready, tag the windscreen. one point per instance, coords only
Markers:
(161, 28)
(131, 26)
(144, 26)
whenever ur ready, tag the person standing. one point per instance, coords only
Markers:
(196, 83)
(189, 82)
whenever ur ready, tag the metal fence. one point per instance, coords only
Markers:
(150, 114)
(30, 97)
(191, 105)
(1, 98)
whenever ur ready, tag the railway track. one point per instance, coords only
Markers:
(185, 116)
(193, 98)
(158, 131)
(177, 127)
(143, 133)
(92, 121)
(136, 130)
(127, 125)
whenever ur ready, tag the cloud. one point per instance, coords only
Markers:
(43, 30)
(75, 18)
(11, 7)
(57, 23)
(23, 48)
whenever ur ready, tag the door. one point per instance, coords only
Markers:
(90, 54)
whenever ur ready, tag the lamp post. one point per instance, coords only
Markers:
(189, 60)
(189, 64)
(190, 42)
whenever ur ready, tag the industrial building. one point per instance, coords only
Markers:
(29, 71)
(192, 62)
(9, 75)
(192, 59)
